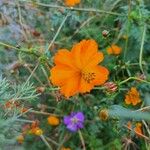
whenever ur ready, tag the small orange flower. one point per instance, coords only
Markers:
(53, 121)
(20, 139)
(114, 50)
(138, 129)
(38, 131)
(77, 71)
(34, 129)
(132, 97)
(71, 3)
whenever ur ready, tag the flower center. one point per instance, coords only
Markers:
(74, 120)
(88, 76)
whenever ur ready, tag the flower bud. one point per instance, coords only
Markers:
(111, 87)
(105, 33)
(103, 114)
(20, 139)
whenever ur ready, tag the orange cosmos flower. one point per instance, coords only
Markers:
(71, 3)
(53, 121)
(77, 71)
(114, 49)
(132, 97)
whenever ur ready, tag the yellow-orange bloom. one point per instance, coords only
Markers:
(77, 71)
(35, 129)
(114, 50)
(20, 139)
(132, 97)
(53, 121)
(71, 3)
(138, 129)
(38, 131)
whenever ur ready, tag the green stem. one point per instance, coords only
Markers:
(82, 139)
(141, 49)
(133, 78)
(127, 29)
(19, 50)
(79, 9)
(58, 31)
(46, 143)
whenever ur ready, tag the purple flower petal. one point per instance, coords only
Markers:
(80, 116)
(72, 127)
(80, 125)
(67, 120)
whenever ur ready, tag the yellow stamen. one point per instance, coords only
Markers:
(88, 76)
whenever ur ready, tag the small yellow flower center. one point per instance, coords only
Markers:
(88, 76)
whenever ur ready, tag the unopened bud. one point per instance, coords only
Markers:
(111, 87)
(40, 89)
(105, 33)
(103, 114)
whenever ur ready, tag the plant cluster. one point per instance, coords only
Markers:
(74, 75)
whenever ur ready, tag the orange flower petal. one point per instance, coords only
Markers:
(85, 86)
(101, 75)
(64, 57)
(127, 100)
(71, 87)
(86, 53)
(71, 2)
(89, 48)
(95, 59)
(76, 54)
(59, 75)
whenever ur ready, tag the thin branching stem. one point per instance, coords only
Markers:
(46, 143)
(142, 135)
(20, 50)
(58, 31)
(42, 113)
(142, 47)
(133, 78)
(79, 9)
(82, 139)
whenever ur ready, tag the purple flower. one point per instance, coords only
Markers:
(74, 121)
